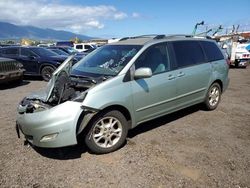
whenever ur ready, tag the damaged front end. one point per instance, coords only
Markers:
(59, 89)
(50, 118)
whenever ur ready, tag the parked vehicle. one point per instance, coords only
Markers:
(35, 60)
(121, 85)
(69, 51)
(59, 51)
(83, 47)
(65, 43)
(10, 70)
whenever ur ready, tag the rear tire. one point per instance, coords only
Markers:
(213, 97)
(107, 132)
(47, 72)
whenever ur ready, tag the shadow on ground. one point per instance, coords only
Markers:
(14, 84)
(64, 153)
(153, 124)
(74, 152)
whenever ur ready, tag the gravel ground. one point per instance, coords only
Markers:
(190, 148)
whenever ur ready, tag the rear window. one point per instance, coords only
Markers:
(188, 53)
(212, 51)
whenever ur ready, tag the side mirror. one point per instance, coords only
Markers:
(143, 72)
(32, 57)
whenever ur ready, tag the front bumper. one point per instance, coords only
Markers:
(11, 75)
(60, 120)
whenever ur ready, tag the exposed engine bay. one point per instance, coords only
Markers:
(62, 87)
(66, 88)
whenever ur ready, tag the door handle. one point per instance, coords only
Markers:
(171, 77)
(180, 74)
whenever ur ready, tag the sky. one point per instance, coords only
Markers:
(121, 18)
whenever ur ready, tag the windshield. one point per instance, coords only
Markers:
(44, 52)
(107, 60)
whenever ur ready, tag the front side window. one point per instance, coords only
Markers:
(155, 57)
(42, 52)
(188, 53)
(27, 52)
(106, 60)
(87, 47)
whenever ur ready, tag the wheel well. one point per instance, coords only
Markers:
(46, 65)
(220, 83)
(121, 109)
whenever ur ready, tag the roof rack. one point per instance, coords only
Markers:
(179, 35)
(162, 36)
(153, 36)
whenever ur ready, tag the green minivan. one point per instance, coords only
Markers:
(120, 85)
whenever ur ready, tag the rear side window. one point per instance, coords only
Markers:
(212, 51)
(188, 53)
(2, 51)
(11, 51)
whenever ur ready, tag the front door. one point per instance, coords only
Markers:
(154, 96)
(29, 60)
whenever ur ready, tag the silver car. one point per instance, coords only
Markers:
(120, 85)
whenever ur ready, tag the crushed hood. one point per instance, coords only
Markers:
(45, 95)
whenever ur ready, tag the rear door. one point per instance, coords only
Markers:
(154, 96)
(193, 72)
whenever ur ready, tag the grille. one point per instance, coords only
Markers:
(6, 66)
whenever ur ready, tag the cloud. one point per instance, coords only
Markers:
(136, 15)
(47, 14)
(120, 16)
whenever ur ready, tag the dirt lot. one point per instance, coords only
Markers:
(190, 148)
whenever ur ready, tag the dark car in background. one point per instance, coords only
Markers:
(35, 60)
(10, 70)
(58, 51)
(69, 50)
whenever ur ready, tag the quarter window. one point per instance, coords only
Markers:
(188, 53)
(212, 51)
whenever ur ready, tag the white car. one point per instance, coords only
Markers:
(82, 47)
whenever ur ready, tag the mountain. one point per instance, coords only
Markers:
(11, 31)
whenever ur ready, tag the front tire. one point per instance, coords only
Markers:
(213, 97)
(47, 72)
(107, 132)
